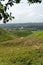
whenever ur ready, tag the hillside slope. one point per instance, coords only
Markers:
(37, 34)
(34, 39)
(25, 51)
(5, 35)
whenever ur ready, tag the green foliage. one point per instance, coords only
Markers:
(17, 1)
(21, 33)
(34, 1)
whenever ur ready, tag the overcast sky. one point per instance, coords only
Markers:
(24, 13)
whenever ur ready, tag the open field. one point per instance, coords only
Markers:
(22, 51)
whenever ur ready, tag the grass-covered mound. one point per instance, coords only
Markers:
(35, 38)
(26, 51)
(37, 34)
(5, 35)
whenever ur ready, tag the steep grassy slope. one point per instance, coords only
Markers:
(5, 35)
(26, 51)
(37, 34)
(35, 38)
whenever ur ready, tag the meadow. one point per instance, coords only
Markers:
(15, 50)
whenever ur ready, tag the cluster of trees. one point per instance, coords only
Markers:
(4, 15)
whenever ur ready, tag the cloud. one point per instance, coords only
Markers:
(25, 13)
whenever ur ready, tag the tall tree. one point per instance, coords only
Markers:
(4, 15)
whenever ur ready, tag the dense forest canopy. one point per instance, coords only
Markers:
(4, 15)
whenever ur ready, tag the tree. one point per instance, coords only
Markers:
(4, 15)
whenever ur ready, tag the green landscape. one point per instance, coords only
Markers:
(21, 32)
(21, 47)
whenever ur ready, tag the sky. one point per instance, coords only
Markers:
(24, 13)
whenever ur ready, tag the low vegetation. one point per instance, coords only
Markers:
(22, 51)
(21, 32)
(5, 35)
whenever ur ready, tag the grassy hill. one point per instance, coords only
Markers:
(26, 51)
(5, 35)
(37, 34)
(35, 38)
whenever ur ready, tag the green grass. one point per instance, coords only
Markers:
(5, 35)
(21, 33)
(26, 51)
(37, 34)
(18, 55)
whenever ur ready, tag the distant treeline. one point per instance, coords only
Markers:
(31, 26)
